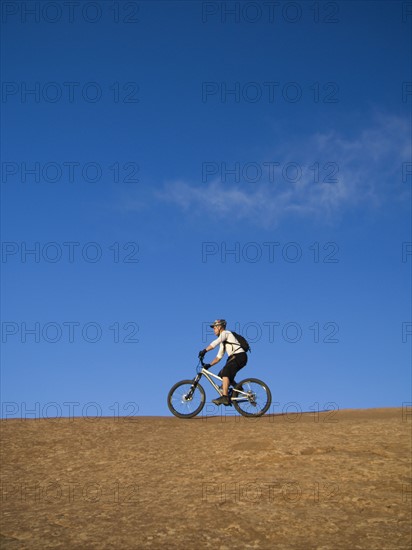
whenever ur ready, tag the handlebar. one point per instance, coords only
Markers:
(202, 362)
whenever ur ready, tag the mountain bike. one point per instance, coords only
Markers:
(250, 397)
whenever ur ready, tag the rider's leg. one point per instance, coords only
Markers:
(225, 385)
(224, 398)
(228, 373)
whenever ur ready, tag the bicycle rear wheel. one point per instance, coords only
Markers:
(253, 398)
(185, 402)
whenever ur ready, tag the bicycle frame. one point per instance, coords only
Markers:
(209, 375)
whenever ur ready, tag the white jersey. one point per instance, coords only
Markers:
(232, 345)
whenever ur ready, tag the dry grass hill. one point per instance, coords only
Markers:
(339, 481)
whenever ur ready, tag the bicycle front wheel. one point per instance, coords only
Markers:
(253, 397)
(184, 401)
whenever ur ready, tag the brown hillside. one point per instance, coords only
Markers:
(279, 482)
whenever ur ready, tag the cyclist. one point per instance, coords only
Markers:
(237, 358)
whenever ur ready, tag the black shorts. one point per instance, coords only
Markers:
(233, 365)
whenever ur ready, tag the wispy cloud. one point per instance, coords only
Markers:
(362, 171)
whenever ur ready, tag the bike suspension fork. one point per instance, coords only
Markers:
(194, 385)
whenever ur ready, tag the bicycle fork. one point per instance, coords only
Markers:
(190, 393)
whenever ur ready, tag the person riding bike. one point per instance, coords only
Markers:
(237, 358)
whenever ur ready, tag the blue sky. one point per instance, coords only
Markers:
(170, 163)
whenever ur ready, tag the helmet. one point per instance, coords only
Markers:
(219, 323)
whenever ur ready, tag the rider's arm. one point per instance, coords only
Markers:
(219, 355)
(221, 352)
